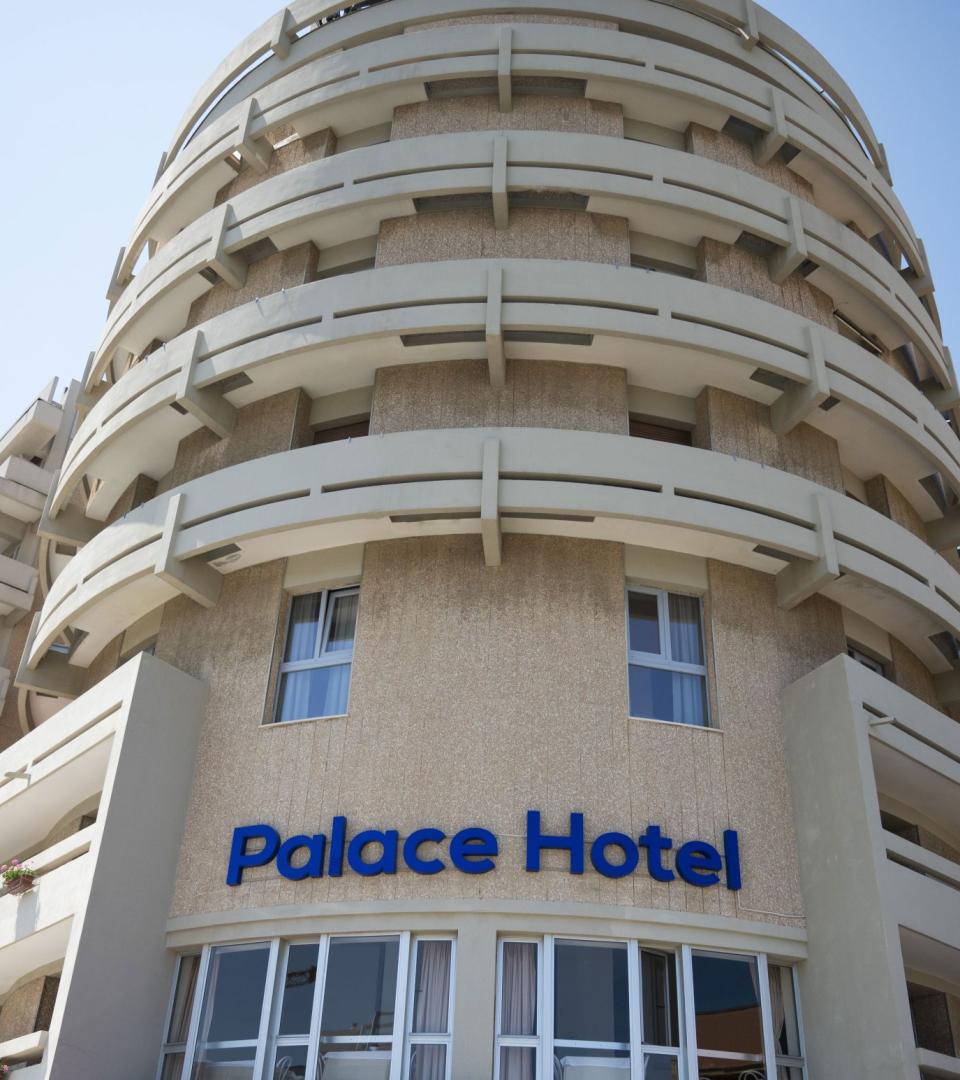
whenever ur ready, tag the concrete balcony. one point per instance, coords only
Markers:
(23, 489)
(17, 584)
(938, 1065)
(26, 1052)
(34, 429)
(876, 904)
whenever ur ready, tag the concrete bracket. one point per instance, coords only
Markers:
(283, 33)
(919, 277)
(254, 151)
(197, 580)
(944, 533)
(796, 403)
(496, 358)
(501, 210)
(70, 526)
(944, 398)
(116, 286)
(504, 69)
(52, 673)
(229, 267)
(799, 580)
(786, 260)
(748, 25)
(207, 406)
(490, 503)
(161, 167)
(883, 165)
(769, 146)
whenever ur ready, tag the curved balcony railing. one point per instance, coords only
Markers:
(362, 86)
(332, 335)
(664, 192)
(729, 27)
(604, 487)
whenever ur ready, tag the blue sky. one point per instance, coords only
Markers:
(94, 91)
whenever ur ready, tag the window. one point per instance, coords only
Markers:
(318, 655)
(646, 429)
(337, 1007)
(355, 430)
(868, 660)
(599, 1010)
(666, 664)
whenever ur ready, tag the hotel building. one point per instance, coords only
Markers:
(490, 608)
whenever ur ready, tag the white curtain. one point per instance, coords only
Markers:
(320, 691)
(518, 1008)
(430, 1009)
(686, 647)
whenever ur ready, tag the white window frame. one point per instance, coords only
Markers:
(319, 659)
(685, 1053)
(663, 660)
(268, 1040)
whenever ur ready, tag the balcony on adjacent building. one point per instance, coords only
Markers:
(17, 583)
(23, 489)
(30, 434)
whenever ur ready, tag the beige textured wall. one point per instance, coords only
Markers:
(534, 112)
(885, 498)
(284, 270)
(735, 425)
(910, 673)
(538, 393)
(533, 233)
(759, 650)
(731, 151)
(266, 427)
(476, 695)
(28, 1007)
(747, 272)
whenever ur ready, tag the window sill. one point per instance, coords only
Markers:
(676, 724)
(303, 720)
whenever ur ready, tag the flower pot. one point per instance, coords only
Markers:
(20, 884)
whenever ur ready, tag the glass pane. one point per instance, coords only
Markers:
(518, 1063)
(644, 627)
(299, 982)
(343, 622)
(290, 1063)
(427, 1062)
(656, 694)
(431, 993)
(518, 990)
(234, 998)
(786, 1032)
(183, 999)
(302, 632)
(726, 995)
(591, 995)
(233, 1064)
(322, 691)
(791, 1072)
(172, 1067)
(724, 1069)
(658, 973)
(363, 1061)
(576, 1063)
(660, 1067)
(361, 988)
(686, 641)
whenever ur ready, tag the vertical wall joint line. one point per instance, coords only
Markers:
(490, 503)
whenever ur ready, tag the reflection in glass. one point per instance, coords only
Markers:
(361, 987)
(343, 622)
(234, 998)
(172, 1067)
(183, 999)
(591, 999)
(661, 1067)
(299, 982)
(290, 1063)
(726, 994)
(644, 624)
(234, 1062)
(427, 1062)
(659, 694)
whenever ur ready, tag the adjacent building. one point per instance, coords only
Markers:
(490, 608)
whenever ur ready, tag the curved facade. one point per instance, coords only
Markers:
(498, 601)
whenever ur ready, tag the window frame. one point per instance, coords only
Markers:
(686, 1052)
(318, 658)
(663, 661)
(269, 1040)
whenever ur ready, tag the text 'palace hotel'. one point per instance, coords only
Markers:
(490, 609)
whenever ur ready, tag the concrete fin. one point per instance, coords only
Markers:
(501, 209)
(786, 260)
(504, 70)
(748, 26)
(282, 33)
(116, 286)
(197, 580)
(207, 406)
(800, 580)
(52, 674)
(70, 526)
(496, 359)
(490, 503)
(229, 267)
(255, 152)
(795, 404)
(768, 147)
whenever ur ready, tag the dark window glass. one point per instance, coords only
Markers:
(726, 994)
(361, 988)
(644, 623)
(658, 974)
(356, 430)
(591, 995)
(300, 980)
(235, 994)
(656, 694)
(644, 429)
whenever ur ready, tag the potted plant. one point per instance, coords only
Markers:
(18, 878)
